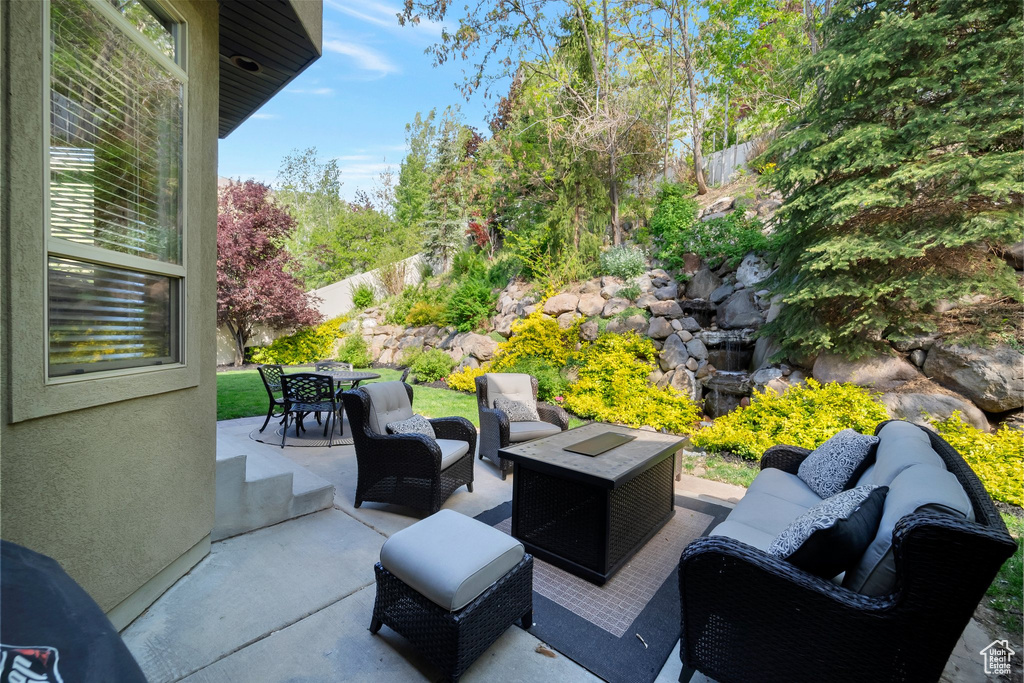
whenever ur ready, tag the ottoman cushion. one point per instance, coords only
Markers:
(450, 558)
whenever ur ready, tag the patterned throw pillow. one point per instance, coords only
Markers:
(417, 424)
(830, 467)
(831, 536)
(517, 411)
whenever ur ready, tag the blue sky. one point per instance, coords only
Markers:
(354, 102)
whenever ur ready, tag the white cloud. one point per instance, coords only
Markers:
(312, 91)
(386, 15)
(364, 57)
(264, 117)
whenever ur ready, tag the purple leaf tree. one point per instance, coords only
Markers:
(253, 282)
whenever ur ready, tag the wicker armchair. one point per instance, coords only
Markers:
(406, 469)
(747, 615)
(495, 429)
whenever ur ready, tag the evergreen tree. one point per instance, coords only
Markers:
(904, 173)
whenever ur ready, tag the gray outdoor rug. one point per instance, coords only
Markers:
(626, 629)
(312, 437)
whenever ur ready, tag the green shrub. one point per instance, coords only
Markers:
(676, 212)
(631, 292)
(997, 459)
(550, 382)
(731, 237)
(624, 261)
(470, 305)
(469, 263)
(806, 415)
(503, 270)
(355, 350)
(612, 386)
(540, 337)
(432, 365)
(362, 296)
(400, 306)
(465, 379)
(306, 345)
(424, 313)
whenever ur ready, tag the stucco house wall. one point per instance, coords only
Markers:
(113, 477)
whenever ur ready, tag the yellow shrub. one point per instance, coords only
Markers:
(612, 387)
(464, 379)
(804, 416)
(997, 459)
(539, 337)
(306, 345)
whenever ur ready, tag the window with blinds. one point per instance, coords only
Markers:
(117, 119)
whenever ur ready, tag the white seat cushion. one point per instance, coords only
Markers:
(765, 512)
(451, 450)
(527, 431)
(744, 534)
(389, 402)
(511, 385)
(450, 558)
(920, 487)
(901, 445)
(784, 485)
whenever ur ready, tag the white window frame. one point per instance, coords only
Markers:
(60, 248)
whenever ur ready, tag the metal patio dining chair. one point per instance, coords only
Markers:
(271, 376)
(306, 393)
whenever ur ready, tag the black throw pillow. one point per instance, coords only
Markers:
(832, 549)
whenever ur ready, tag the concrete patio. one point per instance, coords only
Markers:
(292, 601)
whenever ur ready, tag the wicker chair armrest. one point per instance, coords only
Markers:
(497, 420)
(455, 427)
(734, 562)
(553, 415)
(785, 458)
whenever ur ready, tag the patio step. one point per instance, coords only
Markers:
(259, 489)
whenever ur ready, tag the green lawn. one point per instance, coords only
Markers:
(1007, 592)
(240, 393)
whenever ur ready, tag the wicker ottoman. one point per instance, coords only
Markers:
(452, 585)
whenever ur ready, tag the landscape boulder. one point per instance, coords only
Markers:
(689, 324)
(912, 406)
(591, 304)
(668, 292)
(636, 322)
(566, 320)
(992, 378)
(589, 330)
(683, 381)
(702, 284)
(739, 311)
(610, 290)
(753, 269)
(667, 309)
(561, 303)
(479, 346)
(696, 349)
(720, 204)
(645, 300)
(722, 293)
(660, 328)
(881, 372)
(614, 307)
(673, 354)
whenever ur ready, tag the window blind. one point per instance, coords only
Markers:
(116, 168)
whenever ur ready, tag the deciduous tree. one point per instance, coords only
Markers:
(253, 282)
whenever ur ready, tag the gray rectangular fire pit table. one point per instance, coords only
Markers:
(589, 515)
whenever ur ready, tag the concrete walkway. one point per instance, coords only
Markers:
(292, 602)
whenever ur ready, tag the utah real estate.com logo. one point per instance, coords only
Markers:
(997, 656)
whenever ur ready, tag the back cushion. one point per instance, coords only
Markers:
(389, 402)
(510, 385)
(914, 488)
(901, 445)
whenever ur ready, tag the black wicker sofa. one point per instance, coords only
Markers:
(894, 616)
